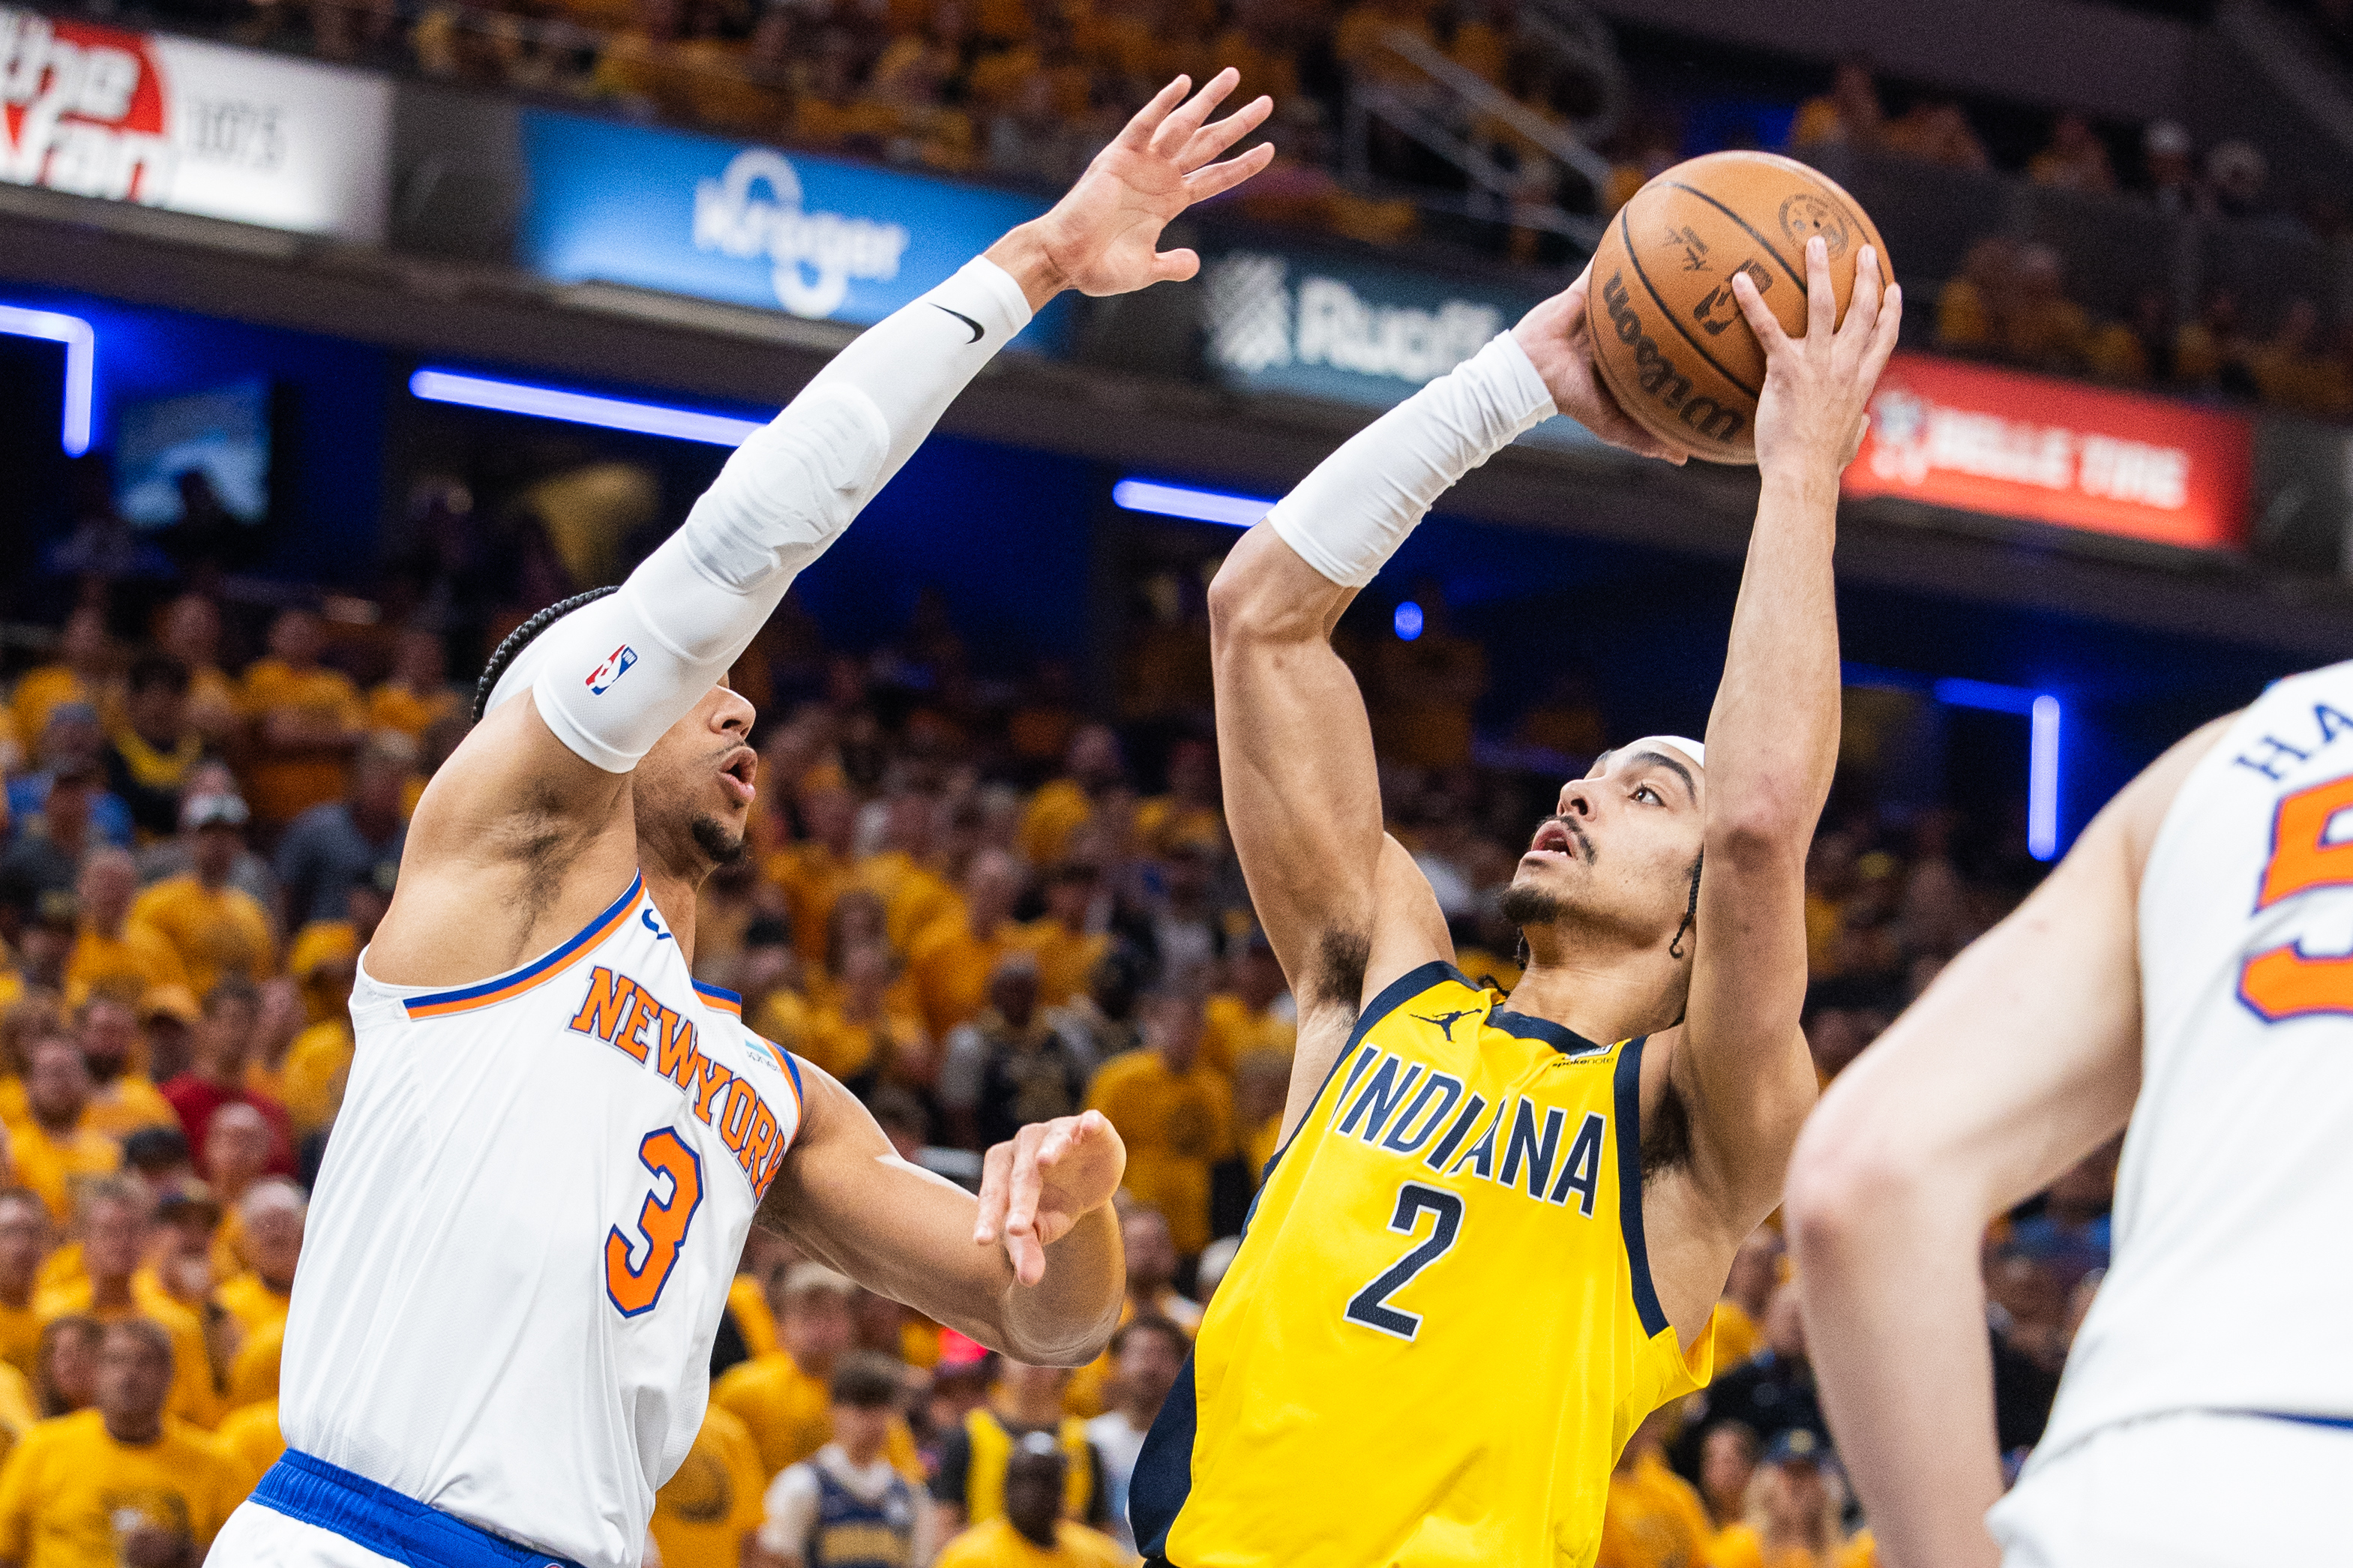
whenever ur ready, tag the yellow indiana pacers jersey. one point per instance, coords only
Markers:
(1440, 1327)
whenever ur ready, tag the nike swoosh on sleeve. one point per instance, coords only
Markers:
(960, 316)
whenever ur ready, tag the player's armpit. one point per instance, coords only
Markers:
(2022, 1057)
(845, 1198)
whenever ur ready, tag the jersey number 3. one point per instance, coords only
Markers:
(1370, 1305)
(661, 1226)
(2282, 982)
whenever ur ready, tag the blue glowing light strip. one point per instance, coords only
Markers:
(2042, 713)
(2042, 780)
(581, 408)
(81, 363)
(1183, 500)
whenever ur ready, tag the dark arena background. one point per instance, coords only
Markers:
(339, 336)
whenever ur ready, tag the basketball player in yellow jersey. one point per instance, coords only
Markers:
(1493, 1234)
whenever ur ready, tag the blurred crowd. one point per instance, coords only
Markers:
(2011, 304)
(977, 904)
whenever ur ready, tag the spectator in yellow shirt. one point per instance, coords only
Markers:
(67, 1378)
(951, 962)
(217, 930)
(190, 632)
(815, 873)
(860, 1035)
(1794, 1507)
(83, 673)
(1030, 1533)
(25, 1240)
(1067, 951)
(114, 1289)
(57, 1153)
(250, 1435)
(1728, 1463)
(110, 953)
(123, 1098)
(124, 1483)
(1654, 1519)
(306, 721)
(272, 1215)
(1190, 810)
(1254, 1013)
(1847, 115)
(418, 694)
(1174, 1111)
(1092, 771)
(784, 1397)
(914, 895)
(712, 1501)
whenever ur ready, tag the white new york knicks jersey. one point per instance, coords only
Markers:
(524, 1231)
(2231, 1270)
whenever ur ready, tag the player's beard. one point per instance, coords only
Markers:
(713, 837)
(1525, 904)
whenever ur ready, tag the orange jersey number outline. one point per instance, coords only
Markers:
(2283, 982)
(636, 1288)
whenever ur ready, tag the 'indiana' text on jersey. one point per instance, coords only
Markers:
(1440, 1327)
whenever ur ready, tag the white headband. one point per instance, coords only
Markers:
(1689, 748)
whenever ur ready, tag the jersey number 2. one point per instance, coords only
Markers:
(661, 1226)
(2282, 983)
(1370, 1305)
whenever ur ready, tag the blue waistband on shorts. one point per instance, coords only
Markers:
(2342, 1423)
(384, 1521)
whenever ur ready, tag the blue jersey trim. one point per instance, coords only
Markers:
(515, 982)
(1628, 1090)
(1162, 1482)
(384, 1521)
(1528, 1026)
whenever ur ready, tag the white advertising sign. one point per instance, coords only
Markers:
(192, 127)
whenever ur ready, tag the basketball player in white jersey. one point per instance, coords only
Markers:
(2180, 975)
(555, 1141)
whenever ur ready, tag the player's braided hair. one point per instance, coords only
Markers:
(520, 638)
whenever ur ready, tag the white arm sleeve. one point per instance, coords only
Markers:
(1348, 517)
(612, 676)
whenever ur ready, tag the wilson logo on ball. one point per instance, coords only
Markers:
(1657, 375)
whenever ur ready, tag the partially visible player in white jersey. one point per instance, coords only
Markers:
(555, 1141)
(2182, 975)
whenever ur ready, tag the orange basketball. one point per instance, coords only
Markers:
(1667, 332)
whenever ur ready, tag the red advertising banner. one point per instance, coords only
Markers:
(2012, 445)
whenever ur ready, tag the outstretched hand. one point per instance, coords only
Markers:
(1103, 236)
(1557, 337)
(1033, 1189)
(1818, 386)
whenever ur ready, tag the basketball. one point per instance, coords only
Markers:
(1667, 331)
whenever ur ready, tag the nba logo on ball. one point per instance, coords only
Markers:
(617, 665)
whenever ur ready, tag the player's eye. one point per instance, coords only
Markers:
(1644, 791)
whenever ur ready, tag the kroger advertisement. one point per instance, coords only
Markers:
(1310, 325)
(171, 123)
(751, 225)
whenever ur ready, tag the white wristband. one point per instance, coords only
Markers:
(1348, 517)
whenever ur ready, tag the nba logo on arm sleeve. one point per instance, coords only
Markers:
(617, 665)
